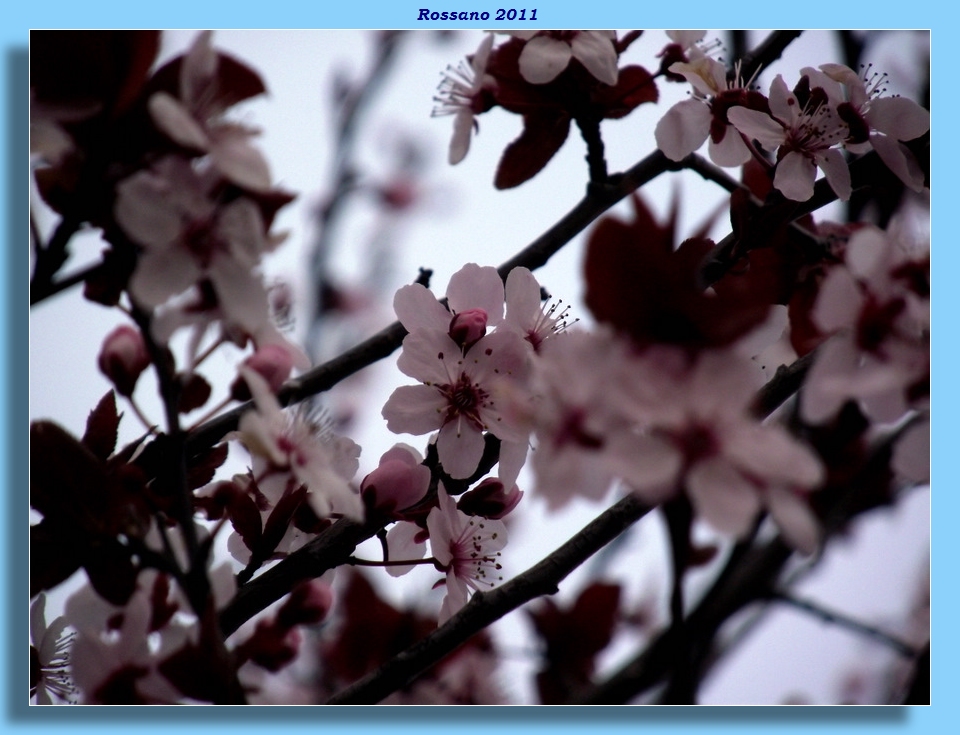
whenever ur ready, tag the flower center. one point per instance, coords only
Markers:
(464, 400)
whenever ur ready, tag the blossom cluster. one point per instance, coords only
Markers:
(830, 109)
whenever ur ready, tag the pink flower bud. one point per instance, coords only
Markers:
(399, 482)
(468, 326)
(273, 362)
(489, 500)
(123, 357)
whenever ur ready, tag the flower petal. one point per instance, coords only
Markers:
(477, 287)
(683, 129)
(543, 58)
(460, 446)
(402, 544)
(795, 176)
(731, 150)
(757, 125)
(414, 409)
(430, 356)
(835, 168)
(596, 52)
(899, 159)
(723, 497)
(795, 520)
(417, 308)
(898, 117)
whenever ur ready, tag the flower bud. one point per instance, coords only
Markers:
(273, 362)
(489, 500)
(397, 483)
(468, 326)
(123, 357)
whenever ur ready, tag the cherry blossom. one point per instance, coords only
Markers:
(547, 53)
(457, 395)
(187, 236)
(583, 441)
(50, 656)
(878, 122)
(686, 125)
(877, 305)
(195, 119)
(322, 461)
(468, 548)
(118, 649)
(465, 93)
(733, 466)
(806, 135)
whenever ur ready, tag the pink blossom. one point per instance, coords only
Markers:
(806, 137)
(583, 440)
(123, 641)
(877, 306)
(457, 394)
(490, 499)
(186, 237)
(686, 125)
(468, 548)
(878, 122)
(322, 461)
(664, 424)
(273, 362)
(195, 120)
(732, 465)
(465, 93)
(50, 656)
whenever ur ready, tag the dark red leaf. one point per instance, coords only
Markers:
(644, 288)
(543, 135)
(111, 572)
(100, 436)
(245, 517)
(634, 86)
(53, 557)
(202, 467)
(66, 479)
(79, 68)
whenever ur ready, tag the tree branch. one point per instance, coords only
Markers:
(485, 608)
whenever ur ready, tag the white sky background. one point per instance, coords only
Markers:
(463, 219)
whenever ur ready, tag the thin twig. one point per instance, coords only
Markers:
(845, 621)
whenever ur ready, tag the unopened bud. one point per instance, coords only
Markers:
(468, 327)
(123, 357)
(489, 499)
(397, 483)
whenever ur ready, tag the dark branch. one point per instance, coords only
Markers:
(483, 609)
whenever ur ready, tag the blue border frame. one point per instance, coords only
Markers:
(380, 13)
